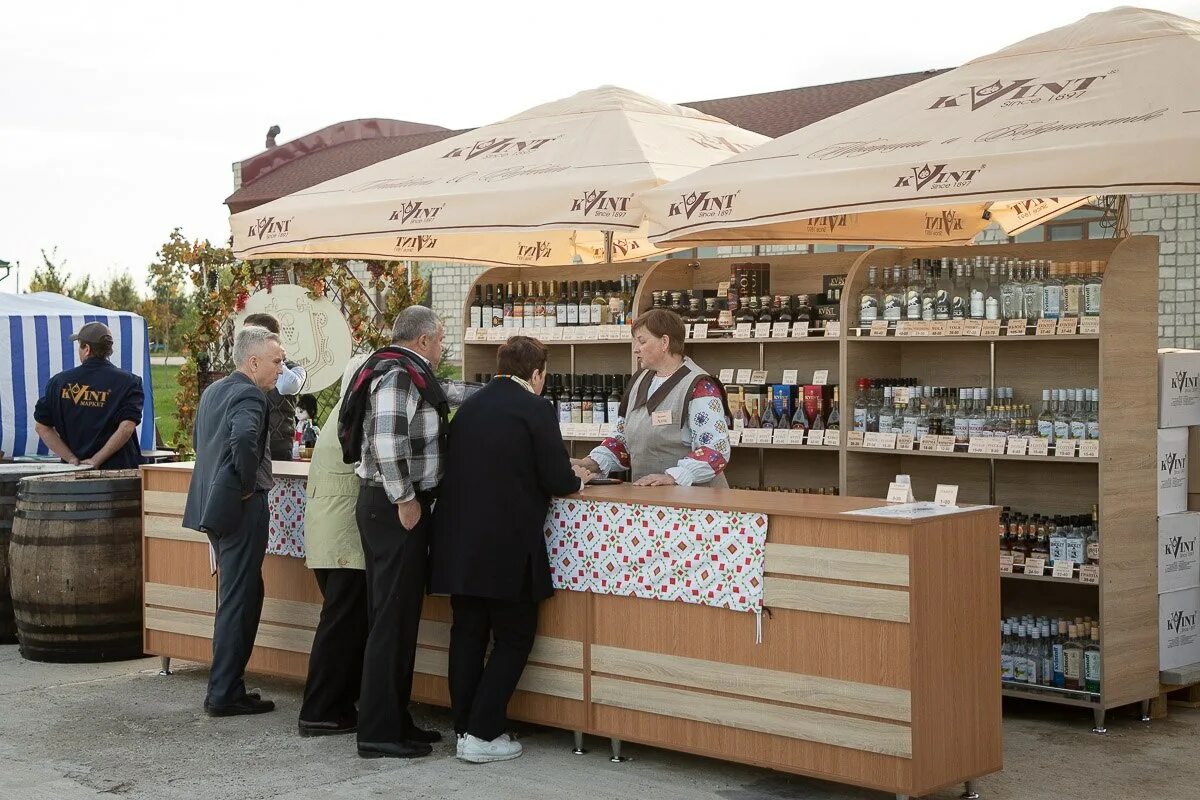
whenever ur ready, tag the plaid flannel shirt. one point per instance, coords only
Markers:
(400, 448)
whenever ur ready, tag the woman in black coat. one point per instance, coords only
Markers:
(504, 461)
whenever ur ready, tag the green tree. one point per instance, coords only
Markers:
(121, 293)
(52, 275)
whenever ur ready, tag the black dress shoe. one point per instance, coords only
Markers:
(393, 749)
(415, 734)
(249, 704)
(330, 728)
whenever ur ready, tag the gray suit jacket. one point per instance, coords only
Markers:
(230, 438)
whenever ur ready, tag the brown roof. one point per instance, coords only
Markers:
(349, 146)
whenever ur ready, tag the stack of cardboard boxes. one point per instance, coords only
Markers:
(1178, 508)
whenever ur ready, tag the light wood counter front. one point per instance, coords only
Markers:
(878, 665)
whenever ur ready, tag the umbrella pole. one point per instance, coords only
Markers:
(608, 247)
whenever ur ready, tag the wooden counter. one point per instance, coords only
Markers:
(878, 666)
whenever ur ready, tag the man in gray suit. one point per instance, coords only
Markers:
(227, 501)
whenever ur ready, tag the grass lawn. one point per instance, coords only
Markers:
(165, 384)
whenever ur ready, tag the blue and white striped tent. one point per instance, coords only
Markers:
(35, 330)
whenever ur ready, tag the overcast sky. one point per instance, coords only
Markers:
(120, 121)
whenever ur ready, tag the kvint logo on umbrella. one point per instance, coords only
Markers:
(719, 143)
(534, 251)
(269, 228)
(599, 203)
(943, 223)
(621, 247)
(703, 204)
(1023, 91)
(415, 211)
(828, 223)
(498, 147)
(937, 177)
(415, 244)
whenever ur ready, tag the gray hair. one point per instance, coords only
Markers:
(249, 341)
(414, 322)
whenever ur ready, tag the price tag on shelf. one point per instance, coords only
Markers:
(762, 436)
(568, 429)
(903, 329)
(1046, 327)
(833, 329)
(920, 328)
(1089, 449)
(762, 330)
(493, 334)
(1089, 325)
(791, 377)
(592, 431)
(1068, 326)
(887, 441)
(744, 330)
(833, 438)
(1089, 573)
(1035, 566)
(735, 437)
(743, 375)
(725, 375)
(759, 377)
(780, 436)
(700, 330)
(1016, 327)
(800, 330)
(955, 327)
(820, 377)
(990, 327)
(905, 441)
(814, 438)
(471, 334)
(929, 443)
(854, 438)
(1064, 448)
(879, 327)
(1063, 569)
(899, 492)
(1018, 445)
(591, 333)
(972, 327)
(780, 330)
(946, 443)
(554, 334)
(1006, 564)
(1039, 446)
(947, 495)
(607, 429)
(938, 327)
(870, 439)
(797, 436)
(987, 445)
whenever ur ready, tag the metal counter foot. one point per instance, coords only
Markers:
(164, 666)
(969, 792)
(616, 757)
(1145, 711)
(578, 750)
(1098, 718)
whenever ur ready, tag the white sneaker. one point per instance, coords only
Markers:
(478, 751)
(460, 737)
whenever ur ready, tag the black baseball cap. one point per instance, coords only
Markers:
(93, 333)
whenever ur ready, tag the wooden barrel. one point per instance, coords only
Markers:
(10, 475)
(76, 561)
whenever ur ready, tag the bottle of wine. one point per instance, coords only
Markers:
(585, 304)
(576, 400)
(530, 305)
(572, 315)
(477, 309)
(834, 422)
(539, 306)
(560, 308)
(599, 400)
(510, 321)
(600, 311)
(562, 399)
(552, 305)
(613, 402)
(489, 307)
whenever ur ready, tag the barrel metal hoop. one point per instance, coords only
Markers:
(94, 513)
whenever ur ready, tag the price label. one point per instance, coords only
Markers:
(780, 330)
(554, 334)
(972, 327)
(1035, 566)
(800, 330)
(903, 329)
(986, 445)
(833, 438)
(898, 492)
(946, 443)
(607, 429)
(1063, 569)
(938, 328)
(780, 436)
(832, 329)
(735, 438)
(820, 377)
(471, 334)
(1039, 446)
(947, 495)
(798, 436)
(815, 438)
(1018, 445)
(871, 439)
(744, 330)
(758, 376)
(1006, 564)
(1089, 573)
(725, 376)
(990, 327)
(1089, 449)
(743, 375)
(1016, 327)
(922, 328)
(591, 333)
(879, 327)
(905, 441)
(700, 330)
(1068, 326)
(791, 377)
(762, 330)
(955, 327)
(1046, 327)
(1089, 325)
(887, 441)
(854, 438)
(1064, 448)
(497, 334)
(929, 444)
(568, 429)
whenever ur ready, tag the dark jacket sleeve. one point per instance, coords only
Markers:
(247, 417)
(43, 410)
(554, 472)
(131, 407)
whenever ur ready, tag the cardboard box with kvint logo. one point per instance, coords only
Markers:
(1172, 470)
(1178, 388)
(1193, 454)
(1178, 636)
(1178, 552)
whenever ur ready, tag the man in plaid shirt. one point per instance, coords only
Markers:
(402, 449)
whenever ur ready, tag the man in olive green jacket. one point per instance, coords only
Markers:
(333, 551)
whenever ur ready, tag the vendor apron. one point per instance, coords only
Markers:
(654, 448)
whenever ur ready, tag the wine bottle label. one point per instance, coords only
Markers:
(1093, 552)
(1093, 430)
(1007, 671)
(1078, 430)
(572, 314)
(991, 308)
(1045, 429)
(1072, 663)
(1091, 666)
(1062, 430)
(977, 304)
(476, 317)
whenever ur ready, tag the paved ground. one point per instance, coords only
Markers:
(69, 732)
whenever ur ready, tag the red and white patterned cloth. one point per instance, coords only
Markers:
(286, 505)
(702, 556)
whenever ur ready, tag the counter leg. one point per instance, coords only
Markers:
(617, 758)
(1145, 711)
(1098, 717)
(901, 796)
(578, 744)
(969, 792)
(165, 666)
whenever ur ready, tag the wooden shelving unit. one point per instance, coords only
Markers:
(1120, 361)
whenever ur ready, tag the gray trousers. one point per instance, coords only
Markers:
(240, 557)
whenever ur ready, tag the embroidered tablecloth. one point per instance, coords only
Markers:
(286, 504)
(703, 556)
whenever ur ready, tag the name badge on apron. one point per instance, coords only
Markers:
(660, 418)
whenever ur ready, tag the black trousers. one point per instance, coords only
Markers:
(479, 693)
(335, 664)
(240, 557)
(397, 565)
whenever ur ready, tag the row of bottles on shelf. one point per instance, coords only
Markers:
(825, 490)
(982, 288)
(774, 406)
(899, 405)
(1053, 538)
(1051, 653)
(552, 304)
(590, 399)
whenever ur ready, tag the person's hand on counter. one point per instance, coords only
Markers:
(588, 464)
(583, 473)
(657, 479)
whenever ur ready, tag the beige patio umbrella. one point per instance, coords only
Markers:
(1108, 105)
(553, 185)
